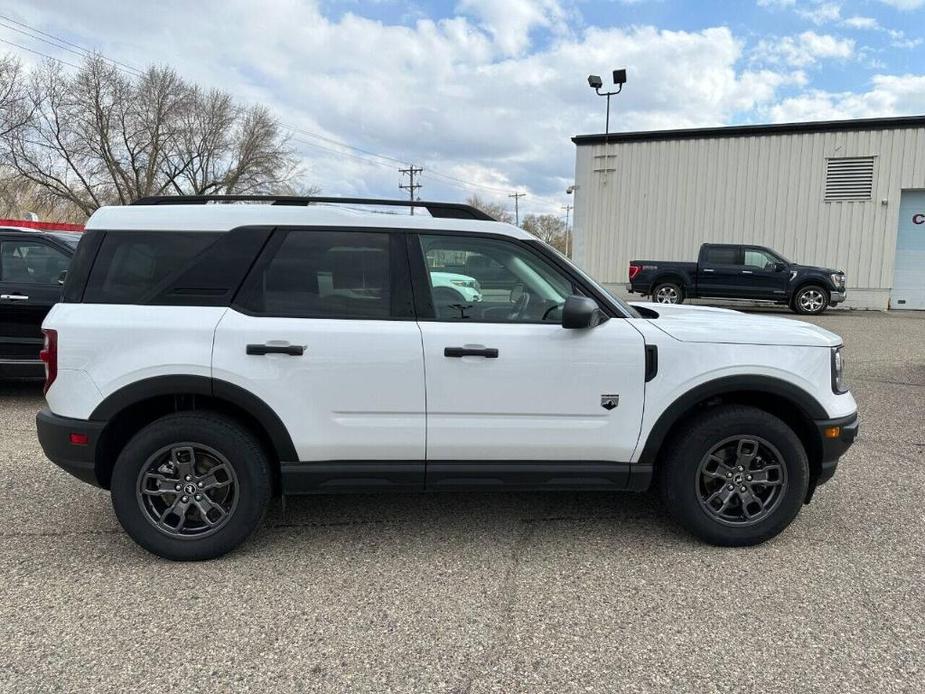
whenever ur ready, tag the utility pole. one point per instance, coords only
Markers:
(412, 171)
(568, 230)
(517, 197)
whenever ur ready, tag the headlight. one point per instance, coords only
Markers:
(838, 279)
(838, 370)
(461, 283)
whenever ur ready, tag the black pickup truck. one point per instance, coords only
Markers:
(730, 271)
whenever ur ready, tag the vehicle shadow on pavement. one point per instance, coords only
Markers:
(446, 513)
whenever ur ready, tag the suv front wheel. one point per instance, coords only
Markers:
(191, 486)
(735, 476)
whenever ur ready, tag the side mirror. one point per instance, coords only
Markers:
(779, 267)
(581, 312)
(62, 277)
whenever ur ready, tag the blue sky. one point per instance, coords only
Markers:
(485, 94)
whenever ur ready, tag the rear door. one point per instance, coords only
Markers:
(30, 284)
(719, 271)
(505, 381)
(323, 331)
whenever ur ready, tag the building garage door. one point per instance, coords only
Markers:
(909, 276)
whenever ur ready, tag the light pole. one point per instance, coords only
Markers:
(595, 82)
(568, 229)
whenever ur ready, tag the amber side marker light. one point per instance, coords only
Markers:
(832, 432)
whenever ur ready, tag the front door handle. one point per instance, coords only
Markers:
(747, 272)
(708, 269)
(14, 297)
(487, 352)
(291, 350)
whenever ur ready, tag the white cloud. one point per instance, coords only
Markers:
(904, 4)
(821, 13)
(889, 95)
(861, 23)
(802, 50)
(776, 3)
(511, 22)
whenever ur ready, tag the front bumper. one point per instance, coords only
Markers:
(834, 444)
(838, 297)
(79, 459)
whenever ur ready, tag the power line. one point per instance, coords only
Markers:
(44, 55)
(411, 171)
(82, 51)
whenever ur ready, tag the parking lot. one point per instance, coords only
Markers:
(486, 592)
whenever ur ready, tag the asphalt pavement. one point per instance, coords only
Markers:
(487, 592)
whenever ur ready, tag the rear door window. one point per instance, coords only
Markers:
(723, 255)
(329, 274)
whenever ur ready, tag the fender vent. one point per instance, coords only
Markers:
(849, 178)
(651, 362)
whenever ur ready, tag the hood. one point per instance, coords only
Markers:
(720, 325)
(826, 270)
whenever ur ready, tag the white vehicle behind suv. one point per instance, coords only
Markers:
(208, 356)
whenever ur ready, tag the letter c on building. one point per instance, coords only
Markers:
(918, 218)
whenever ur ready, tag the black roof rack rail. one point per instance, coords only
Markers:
(446, 210)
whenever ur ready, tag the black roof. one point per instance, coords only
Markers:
(752, 130)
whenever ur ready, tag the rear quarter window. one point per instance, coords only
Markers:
(134, 266)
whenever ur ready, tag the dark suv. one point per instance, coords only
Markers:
(33, 263)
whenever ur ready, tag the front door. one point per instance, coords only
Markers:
(909, 274)
(760, 277)
(505, 382)
(30, 274)
(323, 331)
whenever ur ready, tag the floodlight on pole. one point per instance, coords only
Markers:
(596, 83)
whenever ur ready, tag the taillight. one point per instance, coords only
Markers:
(634, 270)
(49, 356)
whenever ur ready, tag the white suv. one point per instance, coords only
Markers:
(207, 356)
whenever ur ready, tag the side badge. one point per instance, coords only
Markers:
(609, 402)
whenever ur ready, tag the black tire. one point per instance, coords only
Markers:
(235, 509)
(667, 293)
(685, 473)
(810, 300)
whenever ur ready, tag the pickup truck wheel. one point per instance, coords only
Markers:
(811, 300)
(191, 486)
(735, 476)
(667, 293)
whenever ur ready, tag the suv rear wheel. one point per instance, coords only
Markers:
(191, 486)
(735, 476)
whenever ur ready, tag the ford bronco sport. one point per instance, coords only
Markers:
(207, 356)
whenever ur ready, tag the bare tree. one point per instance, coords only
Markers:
(548, 228)
(99, 137)
(495, 210)
(14, 103)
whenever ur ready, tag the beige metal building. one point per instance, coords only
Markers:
(843, 194)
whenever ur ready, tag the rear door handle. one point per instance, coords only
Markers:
(291, 350)
(14, 297)
(708, 269)
(487, 352)
(747, 272)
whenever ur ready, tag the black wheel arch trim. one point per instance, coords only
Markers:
(728, 385)
(155, 386)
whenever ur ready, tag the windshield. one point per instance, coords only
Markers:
(625, 307)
